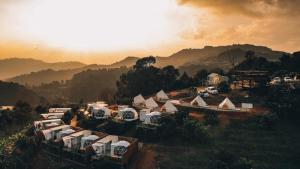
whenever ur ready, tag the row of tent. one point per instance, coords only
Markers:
(150, 103)
(225, 104)
(78, 139)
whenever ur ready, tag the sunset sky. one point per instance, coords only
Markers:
(104, 31)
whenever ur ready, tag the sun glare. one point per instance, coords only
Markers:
(101, 24)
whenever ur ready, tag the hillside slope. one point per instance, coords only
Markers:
(189, 60)
(18, 66)
(10, 93)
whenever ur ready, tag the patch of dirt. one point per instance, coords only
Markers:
(145, 159)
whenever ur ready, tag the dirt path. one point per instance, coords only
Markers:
(145, 160)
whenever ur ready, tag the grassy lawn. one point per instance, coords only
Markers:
(277, 148)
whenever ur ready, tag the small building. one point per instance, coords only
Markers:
(50, 134)
(215, 79)
(59, 110)
(6, 108)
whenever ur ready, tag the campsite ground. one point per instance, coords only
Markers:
(276, 148)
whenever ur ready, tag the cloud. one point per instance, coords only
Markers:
(250, 8)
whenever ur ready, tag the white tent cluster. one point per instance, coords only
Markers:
(226, 104)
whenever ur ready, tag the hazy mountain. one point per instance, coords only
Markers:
(12, 92)
(189, 60)
(18, 66)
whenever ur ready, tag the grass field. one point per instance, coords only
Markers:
(276, 148)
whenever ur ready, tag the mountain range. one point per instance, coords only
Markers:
(35, 72)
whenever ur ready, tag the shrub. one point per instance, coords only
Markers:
(211, 118)
(268, 121)
(223, 87)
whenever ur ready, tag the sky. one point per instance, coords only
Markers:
(105, 31)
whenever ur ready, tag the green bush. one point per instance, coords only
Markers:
(211, 118)
(195, 130)
(223, 87)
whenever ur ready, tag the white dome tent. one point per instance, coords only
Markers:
(128, 114)
(153, 118)
(119, 148)
(150, 103)
(227, 104)
(139, 99)
(101, 113)
(161, 95)
(198, 101)
(169, 107)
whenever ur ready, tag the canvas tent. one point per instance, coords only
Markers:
(227, 104)
(161, 95)
(153, 118)
(150, 103)
(63, 133)
(59, 110)
(52, 115)
(139, 99)
(87, 140)
(50, 134)
(74, 139)
(40, 125)
(119, 148)
(168, 107)
(128, 114)
(101, 113)
(103, 146)
(198, 101)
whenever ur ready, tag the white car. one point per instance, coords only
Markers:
(212, 90)
(287, 79)
(275, 80)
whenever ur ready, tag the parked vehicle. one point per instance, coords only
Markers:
(275, 80)
(203, 94)
(212, 90)
(287, 79)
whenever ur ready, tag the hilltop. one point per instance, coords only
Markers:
(188, 60)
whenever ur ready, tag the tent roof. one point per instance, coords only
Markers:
(155, 113)
(150, 103)
(199, 101)
(227, 104)
(162, 95)
(121, 143)
(169, 107)
(139, 99)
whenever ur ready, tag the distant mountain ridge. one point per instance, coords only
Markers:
(17, 66)
(208, 57)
